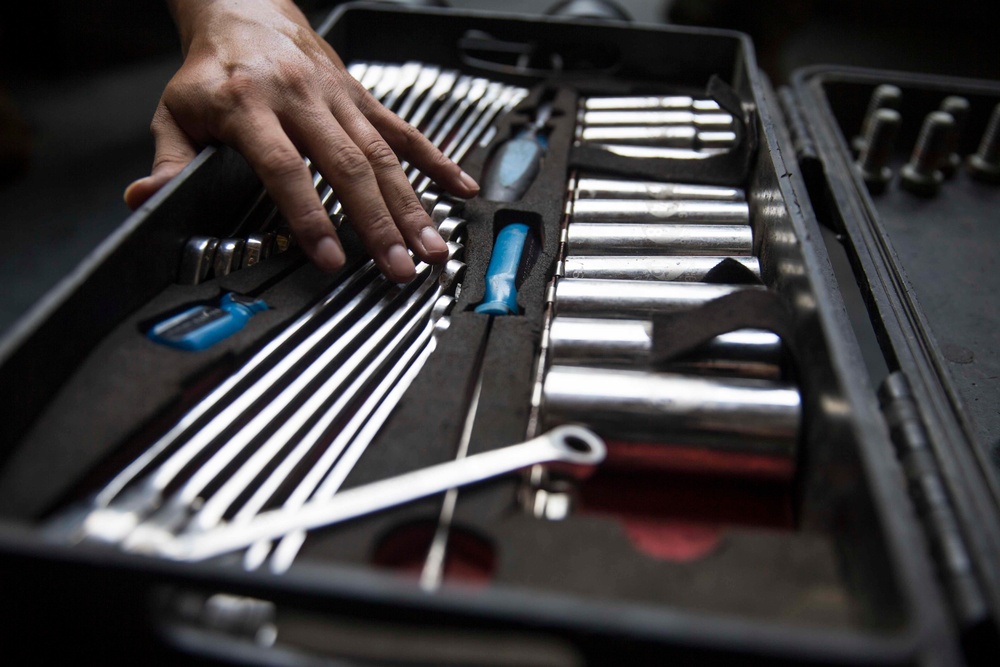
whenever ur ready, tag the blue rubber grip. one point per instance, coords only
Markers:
(501, 293)
(201, 327)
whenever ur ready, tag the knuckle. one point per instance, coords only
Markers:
(351, 166)
(379, 231)
(410, 209)
(280, 162)
(379, 154)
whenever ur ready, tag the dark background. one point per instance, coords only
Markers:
(79, 82)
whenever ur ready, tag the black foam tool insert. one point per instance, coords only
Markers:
(129, 390)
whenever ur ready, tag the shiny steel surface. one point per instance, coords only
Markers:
(567, 444)
(228, 256)
(613, 188)
(611, 342)
(649, 102)
(196, 259)
(682, 268)
(634, 298)
(620, 238)
(720, 413)
(658, 152)
(654, 211)
(674, 136)
(715, 120)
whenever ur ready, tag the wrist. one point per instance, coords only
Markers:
(194, 16)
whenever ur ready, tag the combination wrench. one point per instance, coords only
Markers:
(569, 444)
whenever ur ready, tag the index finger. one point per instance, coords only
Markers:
(259, 136)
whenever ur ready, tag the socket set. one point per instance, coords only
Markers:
(628, 421)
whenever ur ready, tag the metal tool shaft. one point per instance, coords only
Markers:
(638, 102)
(656, 211)
(568, 444)
(634, 298)
(601, 342)
(659, 152)
(618, 238)
(679, 268)
(706, 120)
(610, 188)
(728, 414)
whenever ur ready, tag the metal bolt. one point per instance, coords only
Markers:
(922, 174)
(958, 108)
(885, 96)
(874, 159)
(985, 164)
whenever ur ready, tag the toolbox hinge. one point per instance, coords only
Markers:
(930, 497)
(802, 138)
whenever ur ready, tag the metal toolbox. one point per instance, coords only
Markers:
(870, 536)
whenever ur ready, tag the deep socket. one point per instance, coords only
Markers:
(729, 414)
(635, 299)
(680, 268)
(621, 238)
(661, 211)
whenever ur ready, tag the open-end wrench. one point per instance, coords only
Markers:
(448, 89)
(111, 510)
(425, 81)
(229, 442)
(451, 143)
(408, 74)
(440, 134)
(571, 445)
(357, 69)
(345, 387)
(329, 472)
(389, 90)
(509, 98)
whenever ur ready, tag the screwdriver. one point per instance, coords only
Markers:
(515, 164)
(500, 299)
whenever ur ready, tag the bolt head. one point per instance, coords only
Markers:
(876, 181)
(982, 170)
(920, 183)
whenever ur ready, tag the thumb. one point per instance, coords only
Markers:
(174, 151)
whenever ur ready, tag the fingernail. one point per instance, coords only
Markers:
(329, 255)
(468, 181)
(432, 241)
(400, 263)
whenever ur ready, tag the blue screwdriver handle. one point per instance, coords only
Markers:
(516, 163)
(501, 292)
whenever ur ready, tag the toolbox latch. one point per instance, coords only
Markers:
(934, 508)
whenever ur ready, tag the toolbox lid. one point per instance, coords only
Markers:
(925, 268)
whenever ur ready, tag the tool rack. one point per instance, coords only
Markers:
(877, 543)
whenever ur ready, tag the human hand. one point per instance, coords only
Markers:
(257, 77)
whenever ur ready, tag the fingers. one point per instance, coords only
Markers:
(377, 198)
(174, 151)
(415, 148)
(258, 135)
